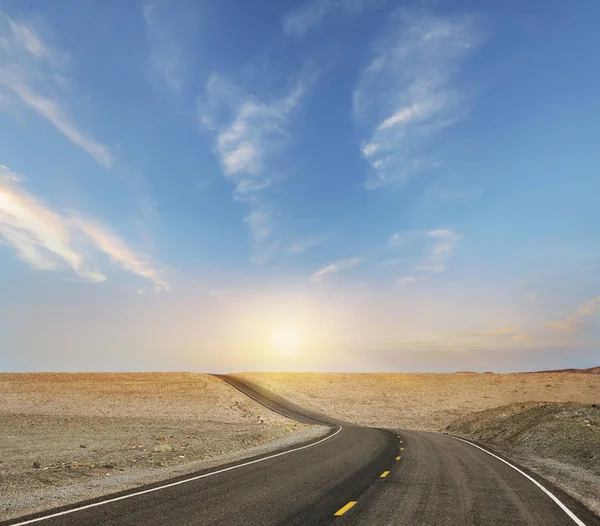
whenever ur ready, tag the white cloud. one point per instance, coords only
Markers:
(118, 251)
(39, 235)
(48, 240)
(166, 57)
(310, 14)
(442, 242)
(409, 88)
(401, 239)
(443, 245)
(302, 245)
(335, 267)
(580, 319)
(260, 224)
(249, 134)
(28, 72)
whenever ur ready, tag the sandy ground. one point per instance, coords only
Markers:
(68, 437)
(548, 422)
(426, 402)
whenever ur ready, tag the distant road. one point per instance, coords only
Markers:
(354, 475)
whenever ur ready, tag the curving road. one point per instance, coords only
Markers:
(354, 475)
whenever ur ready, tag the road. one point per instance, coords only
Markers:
(354, 475)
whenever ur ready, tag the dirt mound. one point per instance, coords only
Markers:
(559, 441)
(570, 432)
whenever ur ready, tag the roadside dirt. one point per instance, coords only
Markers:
(548, 422)
(559, 441)
(419, 401)
(66, 437)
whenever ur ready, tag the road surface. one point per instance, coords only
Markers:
(354, 475)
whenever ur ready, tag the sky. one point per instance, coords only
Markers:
(320, 185)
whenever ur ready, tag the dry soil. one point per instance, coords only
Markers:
(68, 437)
(548, 422)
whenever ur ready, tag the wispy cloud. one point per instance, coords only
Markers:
(166, 57)
(445, 193)
(302, 245)
(39, 235)
(249, 134)
(580, 319)
(46, 239)
(117, 250)
(444, 241)
(512, 333)
(410, 89)
(310, 14)
(335, 267)
(440, 244)
(29, 72)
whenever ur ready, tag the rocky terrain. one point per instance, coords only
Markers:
(68, 437)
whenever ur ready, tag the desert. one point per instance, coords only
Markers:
(71, 437)
(548, 422)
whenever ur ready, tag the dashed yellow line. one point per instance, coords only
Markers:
(398, 458)
(401, 449)
(384, 474)
(343, 510)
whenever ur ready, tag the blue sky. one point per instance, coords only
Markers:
(357, 185)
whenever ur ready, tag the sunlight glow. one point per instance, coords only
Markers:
(287, 339)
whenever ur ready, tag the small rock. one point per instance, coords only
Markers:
(82, 446)
(132, 460)
(162, 448)
(161, 438)
(108, 466)
(37, 465)
(181, 456)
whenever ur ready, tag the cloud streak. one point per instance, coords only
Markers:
(444, 241)
(408, 93)
(48, 240)
(310, 14)
(580, 319)
(28, 72)
(303, 245)
(166, 58)
(335, 267)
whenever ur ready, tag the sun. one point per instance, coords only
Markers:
(287, 339)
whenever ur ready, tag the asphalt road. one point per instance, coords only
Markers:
(354, 472)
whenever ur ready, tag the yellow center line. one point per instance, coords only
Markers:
(343, 510)
(384, 474)
(398, 458)
(401, 449)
